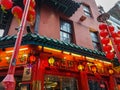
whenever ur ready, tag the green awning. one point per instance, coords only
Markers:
(36, 39)
(67, 7)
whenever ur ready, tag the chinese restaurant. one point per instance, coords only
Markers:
(48, 64)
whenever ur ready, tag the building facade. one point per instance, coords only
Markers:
(60, 48)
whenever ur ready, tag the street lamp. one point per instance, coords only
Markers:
(107, 34)
(9, 81)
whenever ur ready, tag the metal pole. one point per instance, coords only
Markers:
(9, 80)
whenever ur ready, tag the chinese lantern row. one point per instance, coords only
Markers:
(105, 33)
(17, 10)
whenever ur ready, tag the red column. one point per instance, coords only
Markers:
(112, 83)
(84, 81)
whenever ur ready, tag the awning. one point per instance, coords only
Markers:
(67, 7)
(36, 39)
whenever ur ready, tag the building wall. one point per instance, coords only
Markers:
(50, 24)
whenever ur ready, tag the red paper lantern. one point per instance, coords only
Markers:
(94, 68)
(31, 15)
(118, 33)
(6, 4)
(102, 26)
(111, 28)
(32, 59)
(114, 34)
(117, 40)
(110, 55)
(17, 12)
(32, 3)
(118, 47)
(107, 48)
(105, 40)
(103, 33)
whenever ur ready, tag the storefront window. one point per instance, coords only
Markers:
(97, 85)
(60, 83)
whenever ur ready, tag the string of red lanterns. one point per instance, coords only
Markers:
(105, 36)
(17, 10)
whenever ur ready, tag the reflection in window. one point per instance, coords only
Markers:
(1, 32)
(95, 41)
(65, 31)
(87, 10)
(97, 85)
(59, 83)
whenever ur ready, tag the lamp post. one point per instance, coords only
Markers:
(9, 81)
(103, 18)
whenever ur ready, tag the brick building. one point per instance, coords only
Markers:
(61, 50)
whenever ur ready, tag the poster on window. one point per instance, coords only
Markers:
(26, 74)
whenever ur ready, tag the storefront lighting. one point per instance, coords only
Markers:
(22, 49)
(89, 59)
(7, 58)
(76, 55)
(46, 48)
(93, 68)
(80, 67)
(66, 52)
(110, 71)
(51, 61)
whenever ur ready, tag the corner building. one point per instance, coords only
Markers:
(60, 51)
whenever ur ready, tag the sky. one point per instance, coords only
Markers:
(107, 4)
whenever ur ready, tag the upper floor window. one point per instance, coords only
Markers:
(87, 10)
(5, 21)
(95, 41)
(1, 32)
(65, 31)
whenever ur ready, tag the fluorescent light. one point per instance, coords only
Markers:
(22, 49)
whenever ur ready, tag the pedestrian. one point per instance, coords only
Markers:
(2, 86)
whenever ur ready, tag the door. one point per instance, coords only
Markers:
(53, 82)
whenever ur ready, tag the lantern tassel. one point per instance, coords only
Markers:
(3, 9)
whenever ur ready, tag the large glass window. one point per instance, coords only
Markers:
(95, 41)
(65, 31)
(52, 82)
(87, 10)
(97, 85)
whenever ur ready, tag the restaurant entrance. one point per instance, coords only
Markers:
(53, 82)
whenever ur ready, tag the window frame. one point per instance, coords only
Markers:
(87, 10)
(68, 33)
(94, 42)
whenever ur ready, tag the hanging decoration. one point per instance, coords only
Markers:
(32, 59)
(93, 68)
(80, 67)
(17, 12)
(107, 48)
(32, 3)
(6, 4)
(31, 12)
(105, 39)
(110, 55)
(102, 26)
(31, 16)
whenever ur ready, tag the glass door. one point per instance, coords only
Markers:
(97, 85)
(53, 82)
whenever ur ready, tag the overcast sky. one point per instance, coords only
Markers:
(107, 4)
